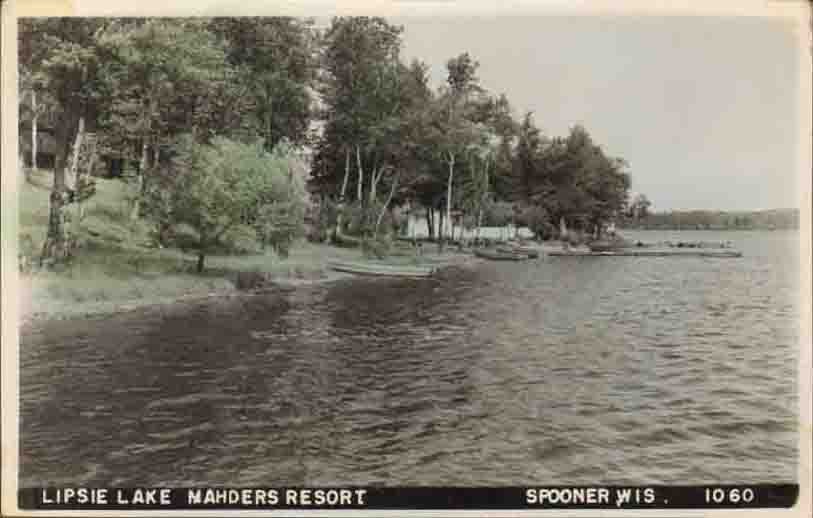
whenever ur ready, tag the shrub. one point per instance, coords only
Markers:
(323, 219)
(376, 247)
(221, 186)
(498, 214)
(241, 239)
(538, 220)
(27, 253)
(249, 280)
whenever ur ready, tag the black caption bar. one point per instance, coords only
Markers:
(541, 497)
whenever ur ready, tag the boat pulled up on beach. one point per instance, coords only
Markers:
(382, 270)
(500, 255)
(531, 252)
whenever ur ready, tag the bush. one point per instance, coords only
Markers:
(280, 224)
(241, 240)
(354, 219)
(323, 218)
(538, 220)
(399, 222)
(220, 186)
(249, 280)
(376, 247)
(361, 220)
(27, 253)
(498, 214)
(183, 237)
(575, 237)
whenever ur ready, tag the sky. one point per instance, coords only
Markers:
(704, 109)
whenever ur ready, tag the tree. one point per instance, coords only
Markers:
(62, 56)
(455, 131)
(279, 215)
(489, 154)
(639, 208)
(374, 120)
(360, 72)
(218, 184)
(164, 77)
(276, 60)
(499, 213)
(527, 163)
(538, 220)
(583, 187)
(607, 191)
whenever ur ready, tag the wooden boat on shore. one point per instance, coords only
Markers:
(382, 270)
(531, 252)
(497, 255)
(648, 252)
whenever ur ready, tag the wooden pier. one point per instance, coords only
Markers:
(644, 252)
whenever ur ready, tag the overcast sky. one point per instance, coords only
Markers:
(703, 109)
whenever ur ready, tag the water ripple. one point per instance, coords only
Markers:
(554, 371)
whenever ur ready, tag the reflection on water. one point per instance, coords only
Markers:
(562, 370)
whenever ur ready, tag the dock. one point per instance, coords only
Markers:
(632, 252)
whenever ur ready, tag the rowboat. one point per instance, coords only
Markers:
(497, 255)
(382, 270)
(532, 253)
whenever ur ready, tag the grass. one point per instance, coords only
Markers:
(117, 266)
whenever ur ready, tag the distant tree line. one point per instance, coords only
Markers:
(778, 219)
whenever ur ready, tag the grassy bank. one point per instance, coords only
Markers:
(117, 266)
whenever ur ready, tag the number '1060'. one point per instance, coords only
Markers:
(733, 496)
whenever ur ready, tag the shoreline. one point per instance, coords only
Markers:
(307, 266)
(34, 288)
(94, 310)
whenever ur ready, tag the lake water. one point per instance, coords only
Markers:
(565, 370)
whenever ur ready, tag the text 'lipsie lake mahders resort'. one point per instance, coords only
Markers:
(172, 145)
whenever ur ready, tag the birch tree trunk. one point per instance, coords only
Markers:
(55, 246)
(34, 120)
(449, 189)
(346, 174)
(135, 210)
(384, 208)
(483, 199)
(441, 223)
(73, 173)
(374, 178)
(563, 235)
(80, 207)
(338, 228)
(359, 185)
(141, 179)
(479, 224)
